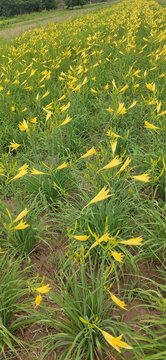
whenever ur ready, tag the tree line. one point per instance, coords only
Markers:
(16, 7)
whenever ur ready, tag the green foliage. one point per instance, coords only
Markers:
(81, 294)
(71, 3)
(15, 7)
(54, 186)
(150, 305)
(49, 4)
(22, 241)
(12, 290)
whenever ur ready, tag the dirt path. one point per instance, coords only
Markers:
(17, 29)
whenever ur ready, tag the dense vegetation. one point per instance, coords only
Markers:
(82, 188)
(71, 3)
(14, 7)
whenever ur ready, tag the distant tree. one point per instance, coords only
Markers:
(30, 5)
(49, 4)
(6, 7)
(71, 3)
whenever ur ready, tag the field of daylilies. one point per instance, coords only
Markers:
(82, 188)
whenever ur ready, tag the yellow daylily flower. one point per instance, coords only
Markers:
(104, 238)
(20, 174)
(65, 107)
(133, 104)
(32, 72)
(124, 88)
(43, 289)
(21, 226)
(62, 166)
(111, 164)
(77, 88)
(110, 109)
(111, 133)
(49, 106)
(38, 300)
(162, 113)
(93, 91)
(81, 237)
(151, 86)
(13, 146)
(134, 241)
(85, 81)
(117, 301)
(48, 115)
(136, 73)
(46, 94)
(106, 87)
(115, 342)
(21, 215)
(62, 98)
(150, 126)
(121, 110)
(66, 121)
(114, 145)
(37, 97)
(113, 83)
(83, 320)
(142, 177)
(8, 212)
(23, 126)
(102, 195)
(25, 109)
(62, 73)
(34, 120)
(57, 186)
(126, 163)
(37, 172)
(117, 256)
(23, 167)
(158, 107)
(88, 153)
